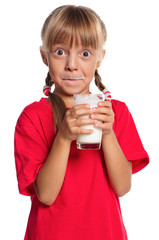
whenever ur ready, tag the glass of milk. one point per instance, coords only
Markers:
(93, 140)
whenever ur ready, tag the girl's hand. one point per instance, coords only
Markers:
(71, 125)
(105, 115)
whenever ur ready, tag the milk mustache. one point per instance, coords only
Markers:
(93, 140)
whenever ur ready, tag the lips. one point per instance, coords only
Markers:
(72, 78)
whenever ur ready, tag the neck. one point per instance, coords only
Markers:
(68, 100)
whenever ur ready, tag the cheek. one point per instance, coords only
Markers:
(55, 69)
(54, 65)
(90, 69)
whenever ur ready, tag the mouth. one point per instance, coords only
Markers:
(72, 79)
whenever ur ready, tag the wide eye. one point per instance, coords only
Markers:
(86, 53)
(60, 52)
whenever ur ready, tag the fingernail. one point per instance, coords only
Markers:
(100, 104)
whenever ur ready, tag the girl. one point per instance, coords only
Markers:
(75, 193)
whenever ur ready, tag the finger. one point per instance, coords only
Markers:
(85, 121)
(101, 117)
(82, 131)
(77, 112)
(75, 107)
(103, 126)
(105, 104)
(103, 110)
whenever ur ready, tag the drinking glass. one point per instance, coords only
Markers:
(93, 140)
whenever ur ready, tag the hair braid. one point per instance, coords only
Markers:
(58, 105)
(98, 81)
(48, 80)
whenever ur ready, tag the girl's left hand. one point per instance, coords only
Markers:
(105, 115)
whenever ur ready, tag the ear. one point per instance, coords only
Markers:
(101, 56)
(44, 57)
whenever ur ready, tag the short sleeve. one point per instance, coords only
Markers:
(128, 138)
(30, 154)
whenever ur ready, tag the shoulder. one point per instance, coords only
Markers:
(34, 112)
(122, 115)
(38, 106)
(119, 106)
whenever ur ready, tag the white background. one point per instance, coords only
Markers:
(130, 70)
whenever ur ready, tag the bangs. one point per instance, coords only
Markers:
(76, 34)
(73, 26)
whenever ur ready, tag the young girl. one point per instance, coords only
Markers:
(75, 193)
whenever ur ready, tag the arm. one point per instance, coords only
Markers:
(118, 168)
(51, 175)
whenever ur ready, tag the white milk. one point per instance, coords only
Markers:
(94, 137)
(93, 140)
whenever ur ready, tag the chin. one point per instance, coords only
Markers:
(72, 92)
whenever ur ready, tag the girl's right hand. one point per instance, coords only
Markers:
(72, 122)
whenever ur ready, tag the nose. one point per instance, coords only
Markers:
(71, 63)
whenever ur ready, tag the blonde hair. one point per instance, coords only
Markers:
(69, 23)
(72, 24)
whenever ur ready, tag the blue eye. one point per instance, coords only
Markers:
(86, 53)
(60, 52)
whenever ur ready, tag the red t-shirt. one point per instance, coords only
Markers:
(86, 207)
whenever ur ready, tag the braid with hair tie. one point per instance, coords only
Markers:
(47, 87)
(101, 87)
